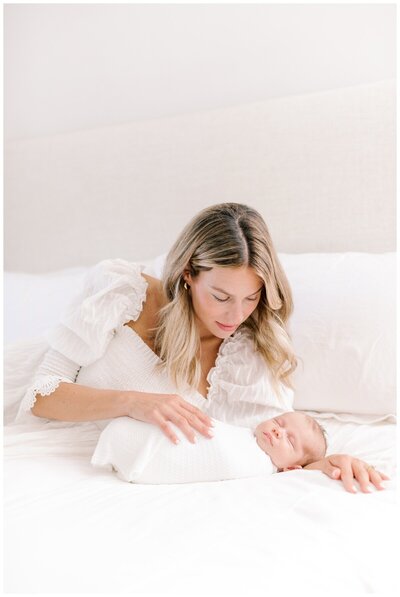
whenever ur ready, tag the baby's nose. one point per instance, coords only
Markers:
(277, 432)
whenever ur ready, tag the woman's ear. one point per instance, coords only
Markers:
(187, 277)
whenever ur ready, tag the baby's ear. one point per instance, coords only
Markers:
(291, 468)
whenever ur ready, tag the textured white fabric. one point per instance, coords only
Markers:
(93, 347)
(141, 453)
(113, 294)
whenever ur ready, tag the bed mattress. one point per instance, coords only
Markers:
(74, 528)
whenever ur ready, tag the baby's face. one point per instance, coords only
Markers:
(288, 439)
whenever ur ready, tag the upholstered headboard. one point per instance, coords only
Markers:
(320, 168)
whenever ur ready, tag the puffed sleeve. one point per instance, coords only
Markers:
(113, 294)
(241, 391)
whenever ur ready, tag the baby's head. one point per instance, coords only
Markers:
(291, 440)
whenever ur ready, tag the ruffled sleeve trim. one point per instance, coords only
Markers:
(113, 294)
(241, 374)
(44, 385)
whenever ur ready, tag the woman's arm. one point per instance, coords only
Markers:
(347, 468)
(74, 402)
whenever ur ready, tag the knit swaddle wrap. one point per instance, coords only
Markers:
(139, 452)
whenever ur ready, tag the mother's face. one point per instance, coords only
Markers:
(223, 298)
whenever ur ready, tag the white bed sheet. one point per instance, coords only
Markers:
(74, 528)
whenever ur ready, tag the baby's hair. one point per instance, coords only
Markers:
(323, 434)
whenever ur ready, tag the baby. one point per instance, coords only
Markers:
(291, 440)
(141, 453)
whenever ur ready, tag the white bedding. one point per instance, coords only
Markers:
(74, 528)
(70, 527)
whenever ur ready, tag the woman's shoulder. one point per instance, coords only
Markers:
(154, 290)
(151, 306)
(115, 292)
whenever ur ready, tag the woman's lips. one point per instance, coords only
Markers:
(227, 328)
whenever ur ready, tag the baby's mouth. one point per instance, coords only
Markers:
(268, 436)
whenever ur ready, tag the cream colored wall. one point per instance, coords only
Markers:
(319, 167)
(123, 120)
(69, 67)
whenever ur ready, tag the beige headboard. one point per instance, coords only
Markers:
(320, 168)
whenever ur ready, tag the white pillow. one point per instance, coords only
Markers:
(141, 453)
(34, 303)
(343, 325)
(343, 330)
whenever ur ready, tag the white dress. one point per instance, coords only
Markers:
(93, 347)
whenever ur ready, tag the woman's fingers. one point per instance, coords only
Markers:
(207, 421)
(163, 425)
(352, 468)
(197, 423)
(362, 475)
(346, 475)
(347, 469)
(375, 477)
(182, 422)
(162, 419)
(186, 422)
(339, 466)
(162, 409)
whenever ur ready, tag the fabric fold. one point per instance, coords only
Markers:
(241, 375)
(113, 295)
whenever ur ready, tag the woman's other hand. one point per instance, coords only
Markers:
(347, 468)
(161, 409)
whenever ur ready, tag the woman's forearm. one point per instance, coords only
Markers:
(73, 402)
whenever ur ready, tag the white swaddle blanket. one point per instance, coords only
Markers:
(140, 453)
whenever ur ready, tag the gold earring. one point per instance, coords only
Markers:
(185, 286)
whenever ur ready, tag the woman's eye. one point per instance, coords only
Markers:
(220, 300)
(227, 299)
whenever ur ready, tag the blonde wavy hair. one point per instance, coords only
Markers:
(224, 235)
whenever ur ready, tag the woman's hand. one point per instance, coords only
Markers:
(160, 409)
(347, 468)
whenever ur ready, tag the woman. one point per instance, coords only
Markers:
(209, 339)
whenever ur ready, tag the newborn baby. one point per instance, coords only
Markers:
(139, 452)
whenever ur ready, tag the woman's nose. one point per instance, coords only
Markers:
(236, 315)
